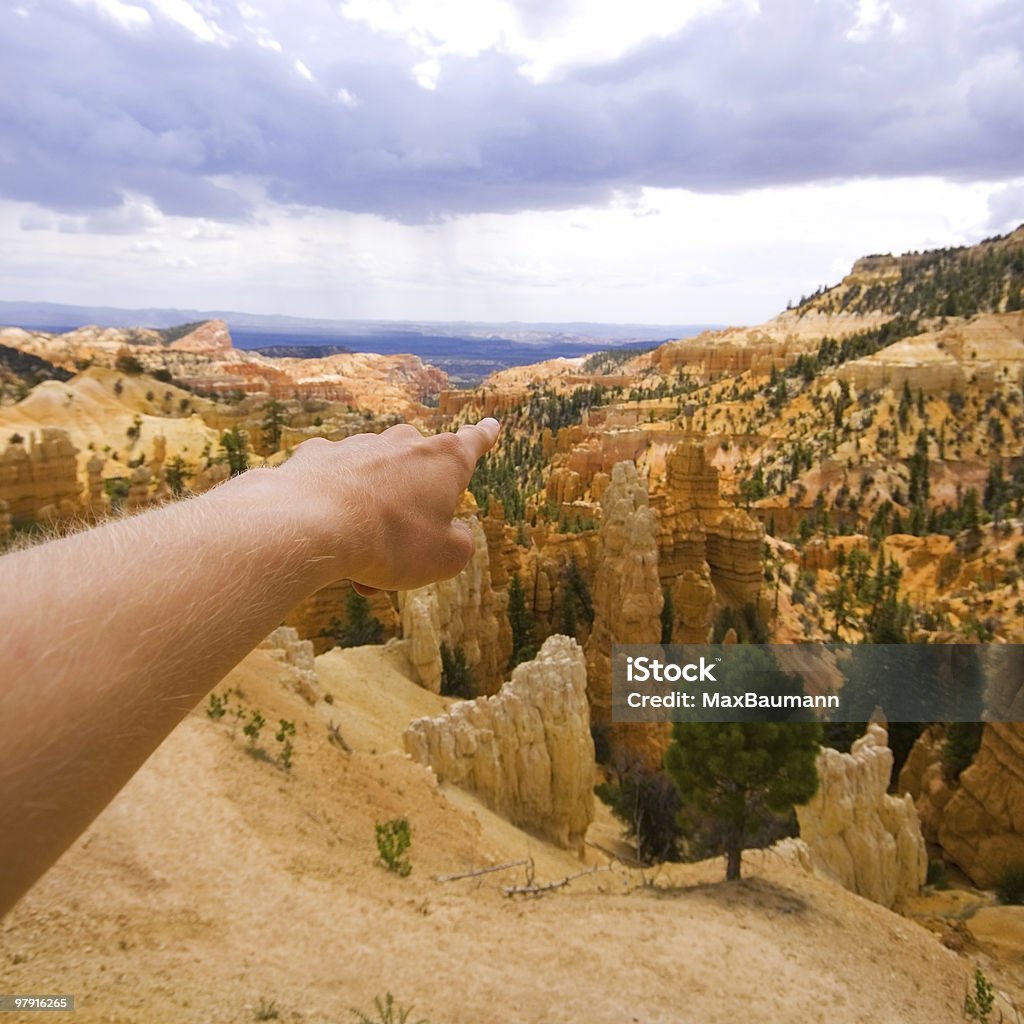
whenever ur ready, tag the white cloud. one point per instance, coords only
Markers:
(128, 16)
(303, 71)
(346, 98)
(182, 13)
(572, 33)
(874, 16)
(427, 72)
(36, 220)
(203, 230)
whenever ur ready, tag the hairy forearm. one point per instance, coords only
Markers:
(112, 635)
(109, 637)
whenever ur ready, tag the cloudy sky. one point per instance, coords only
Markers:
(659, 161)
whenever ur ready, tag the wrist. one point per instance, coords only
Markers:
(290, 533)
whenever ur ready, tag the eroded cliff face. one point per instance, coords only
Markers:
(39, 478)
(527, 751)
(297, 655)
(978, 351)
(858, 835)
(710, 551)
(627, 589)
(465, 612)
(981, 826)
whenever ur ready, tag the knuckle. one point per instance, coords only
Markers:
(450, 445)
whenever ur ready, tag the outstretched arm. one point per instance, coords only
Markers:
(109, 637)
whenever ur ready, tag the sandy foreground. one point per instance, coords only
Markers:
(218, 885)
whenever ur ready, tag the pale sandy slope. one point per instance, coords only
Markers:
(216, 880)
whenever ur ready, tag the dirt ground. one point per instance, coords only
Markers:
(221, 887)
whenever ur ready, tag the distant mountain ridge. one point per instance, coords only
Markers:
(954, 281)
(48, 315)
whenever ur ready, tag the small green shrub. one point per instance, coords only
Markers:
(978, 1004)
(267, 1010)
(216, 707)
(283, 736)
(254, 726)
(387, 1012)
(393, 840)
(1010, 889)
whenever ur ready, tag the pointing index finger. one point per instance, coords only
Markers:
(478, 438)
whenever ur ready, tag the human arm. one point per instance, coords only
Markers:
(111, 636)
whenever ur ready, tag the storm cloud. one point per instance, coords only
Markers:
(105, 100)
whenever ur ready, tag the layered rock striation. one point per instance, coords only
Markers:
(709, 551)
(981, 825)
(527, 751)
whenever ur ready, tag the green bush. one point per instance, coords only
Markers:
(962, 742)
(217, 706)
(647, 803)
(283, 736)
(978, 1004)
(1010, 889)
(456, 675)
(127, 363)
(393, 841)
(254, 726)
(387, 1012)
(267, 1010)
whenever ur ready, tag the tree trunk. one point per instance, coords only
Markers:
(733, 853)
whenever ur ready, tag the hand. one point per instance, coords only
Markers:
(384, 502)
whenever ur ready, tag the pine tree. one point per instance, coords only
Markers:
(739, 773)
(273, 424)
(524, 629)
(235, 446)
(742, 774)
(361, 626)
(668, 614)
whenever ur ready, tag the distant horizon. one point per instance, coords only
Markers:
(10, 309)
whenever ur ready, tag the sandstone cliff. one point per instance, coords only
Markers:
(284, 645)
(526, 752)
(709, 550)
(465, 612)
(40, 478)
(982, 825)
(858, 835)
(627, 589)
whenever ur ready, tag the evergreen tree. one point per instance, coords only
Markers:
(235, 446)
(740, 773)
(569, 620)
(577, 583)
(524, 628)
(668, 614)
(176, 474)
(272, 425)
(361, 626)
(456, 675)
